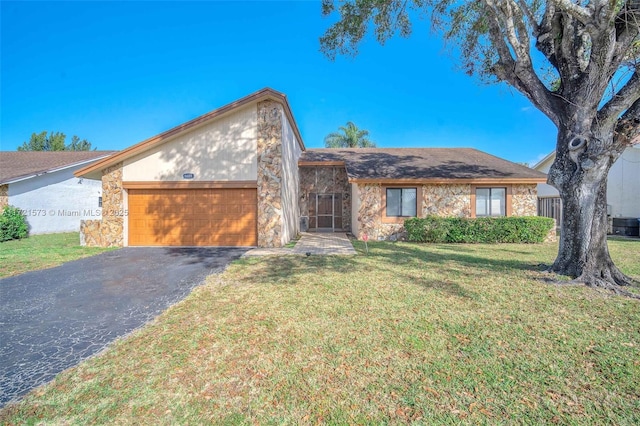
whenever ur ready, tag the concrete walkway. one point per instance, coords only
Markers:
(317, 243)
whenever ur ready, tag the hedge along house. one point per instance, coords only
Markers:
(241, 176)
(373, 191)
(227, 178)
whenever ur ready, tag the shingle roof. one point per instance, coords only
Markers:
(421, 164)
(15, 165)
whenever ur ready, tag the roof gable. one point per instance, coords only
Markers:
(20, 165)
(260, 95)
(421, 164)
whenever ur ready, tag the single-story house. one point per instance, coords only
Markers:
(623, 187)
(241, 176)
(43, 186)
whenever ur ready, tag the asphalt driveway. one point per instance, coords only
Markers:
(51, 320)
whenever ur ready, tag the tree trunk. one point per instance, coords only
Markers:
(581, 179)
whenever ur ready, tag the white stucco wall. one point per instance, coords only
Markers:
(546, 190)
(56, 202)
(291, 152)
(623, 184)
(224, 149)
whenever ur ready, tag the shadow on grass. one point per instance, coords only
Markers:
(453, 265)
(286, 269)
(464, 256)
(290, 270)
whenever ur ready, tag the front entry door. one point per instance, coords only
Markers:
(325, 211)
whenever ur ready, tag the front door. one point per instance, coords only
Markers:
(325, 212)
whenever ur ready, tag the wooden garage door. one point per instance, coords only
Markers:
(192, 217)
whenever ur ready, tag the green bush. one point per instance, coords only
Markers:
(13, 224)
(521, 229)
(427, 230)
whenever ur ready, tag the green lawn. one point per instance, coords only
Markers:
(431, 334)
(42, 251)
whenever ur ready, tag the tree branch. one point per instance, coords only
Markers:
(627, 131)
(621, 101)
(545, 38)
(517, 71)
(580, 13)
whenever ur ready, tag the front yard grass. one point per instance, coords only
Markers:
(432, 334)
(41, 252)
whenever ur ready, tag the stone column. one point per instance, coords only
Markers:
(270, 215)
(4, 196)
(524, 200)
(369, 211)
(107, 232)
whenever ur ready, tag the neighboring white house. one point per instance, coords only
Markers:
(43, 186)
(623, 185)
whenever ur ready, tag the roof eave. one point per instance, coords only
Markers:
(549, 156)
(320, 163)
(48, 171)
(445, 181)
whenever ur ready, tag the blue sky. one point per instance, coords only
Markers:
(117, 73)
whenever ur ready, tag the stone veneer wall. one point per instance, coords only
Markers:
(438, 200)
(524, 200)
(446, 200)
(109, 231)
(270, 215)
(326, 180)
(369, 215)
(4, 196)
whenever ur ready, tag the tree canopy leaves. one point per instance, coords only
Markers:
(54, 141)
(584, 62)
(351, 137)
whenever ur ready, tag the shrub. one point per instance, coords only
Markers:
(13, 224)
(523, 229)
(426, 230)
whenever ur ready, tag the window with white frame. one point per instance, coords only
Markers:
(401, 202)
(491, 202)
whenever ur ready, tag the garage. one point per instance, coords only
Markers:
(193, 217)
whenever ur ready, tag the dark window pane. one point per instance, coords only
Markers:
(338, 222)
(325, 204)
(325, 222)
(312, 204)
(337, 205)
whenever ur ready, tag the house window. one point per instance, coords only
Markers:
(99, 201)
(490, 202)
(401, 202)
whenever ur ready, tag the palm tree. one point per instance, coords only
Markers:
(351, 137)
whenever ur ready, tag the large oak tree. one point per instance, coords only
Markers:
(575, 60)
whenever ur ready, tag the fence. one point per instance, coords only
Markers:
(551, 207)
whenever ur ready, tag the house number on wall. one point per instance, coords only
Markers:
(187, 176)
